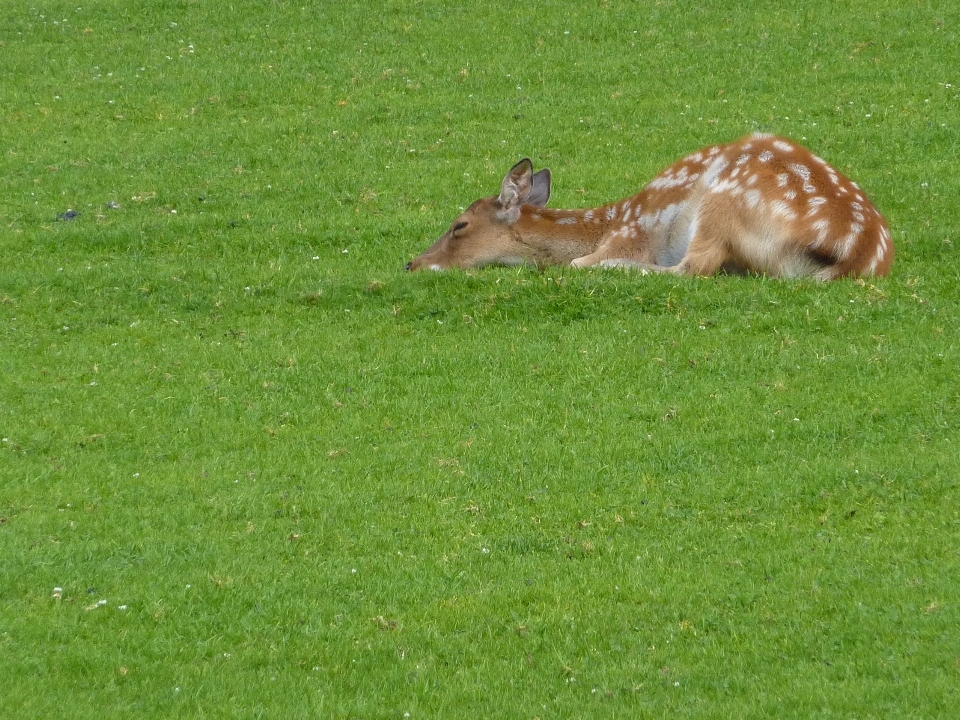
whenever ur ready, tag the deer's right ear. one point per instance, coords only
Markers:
(540, 194)
(516, 189)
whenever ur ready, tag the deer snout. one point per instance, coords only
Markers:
(408, 266)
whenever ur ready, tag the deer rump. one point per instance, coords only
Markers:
(763, 204)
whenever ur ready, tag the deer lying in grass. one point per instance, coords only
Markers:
(762, 204)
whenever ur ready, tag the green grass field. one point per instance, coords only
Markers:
(251, 468)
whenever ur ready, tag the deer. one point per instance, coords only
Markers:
(762, 205)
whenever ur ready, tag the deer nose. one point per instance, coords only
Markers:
(408, 266)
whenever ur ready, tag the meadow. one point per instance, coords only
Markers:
(249, 467)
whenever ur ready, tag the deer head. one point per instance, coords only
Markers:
(486, 233)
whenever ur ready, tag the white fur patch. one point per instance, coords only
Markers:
(713, 171)
(822, 228)
(846, 245)
(801, 171)
(780, 208)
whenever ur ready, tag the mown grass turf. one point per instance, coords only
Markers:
(251, 468)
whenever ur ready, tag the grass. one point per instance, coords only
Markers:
(273, 475)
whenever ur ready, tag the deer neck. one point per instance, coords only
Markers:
(560, 236)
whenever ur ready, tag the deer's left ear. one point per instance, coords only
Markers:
(540, 194)
(515, 190)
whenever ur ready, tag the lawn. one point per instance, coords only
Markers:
(251, 468)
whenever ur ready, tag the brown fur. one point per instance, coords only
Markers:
(762, 204)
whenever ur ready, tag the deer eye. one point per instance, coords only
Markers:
(460, 226)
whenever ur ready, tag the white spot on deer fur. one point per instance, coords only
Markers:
(713, 151)
(818, 159)
(783, 146)
(588, 215)
(846, 245)
(697, 157)
(856, 228)
(815, 203)
(858, 196)
(762, 136)
(611, 212)
(783, 179)
(790, 194)
(537, 218)
(822, 228)
(753, 198)
(801, 171)
(859, 217)
(569, 220)
(743, 159)
(713, 171)
(752, 180)
(670, 179)
(626, 214)
(665, 216)
(779, 207)
(766, 156)
(856, 206)
(725, 186)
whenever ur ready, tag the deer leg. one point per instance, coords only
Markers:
(709, 249)
(619, 250)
